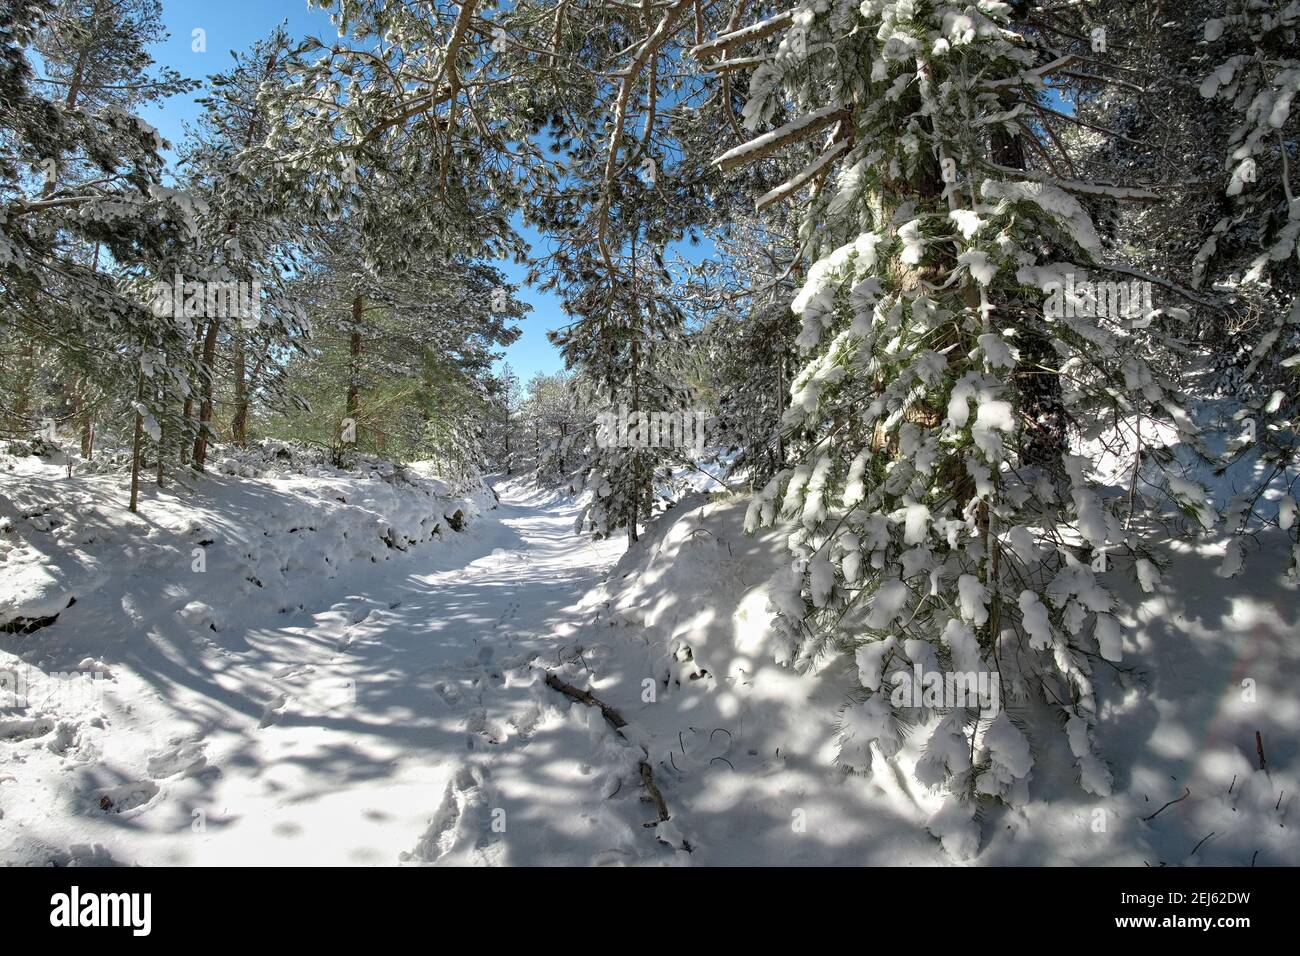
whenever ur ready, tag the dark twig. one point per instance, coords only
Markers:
(1187, 792)
(1198, 846)
(584, 697)
(647, 778)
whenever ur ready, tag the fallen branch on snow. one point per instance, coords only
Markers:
(617, 721)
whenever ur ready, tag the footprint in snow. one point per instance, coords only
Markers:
(290, 671)
(273, 711)
(179, 757)
(465, 813)
(526, 721)
(479, 723)
(448, 693)
(130, 798)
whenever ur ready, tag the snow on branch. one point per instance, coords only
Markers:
(770, 142)
(737, 63)
(616, 720)
(647, 48)
(800, 179)
(1032, 77)
(1105, 190)
(749, 34)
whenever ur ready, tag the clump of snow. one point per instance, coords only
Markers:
(887, 604)
(1009, 759)
(955, 827)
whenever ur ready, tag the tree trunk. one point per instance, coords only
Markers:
(187, 413)
(205, 405)
(239, 423)
(23, 387)
(161, 397)
(780, 410)
(632, 517)
(354, 360)
(88, 435)
(137, 442)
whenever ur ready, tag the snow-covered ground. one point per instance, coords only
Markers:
(745, 748)
(342, 684)
(345, 711)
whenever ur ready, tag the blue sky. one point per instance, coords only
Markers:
(234, 25)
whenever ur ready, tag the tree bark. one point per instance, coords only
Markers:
(88, 435)
(161, 449)
(137, 442)
(187, 413)
(205, 405)
(354, 359)
(239, 422)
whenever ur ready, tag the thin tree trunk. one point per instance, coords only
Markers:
(239, 423)
(137, 441)
(780, 410)
(634, 509)
(88, 435)
(23, 386)
(162, 437)
(354, 359)
(205, 405)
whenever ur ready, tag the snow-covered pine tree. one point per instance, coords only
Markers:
(398, 363)
(922, 532)
(1253, 252)
(410, 170)
(502, 425)
(249, 233)
(626, 342)
(554, 427)
(93, 57)
(248, 243)
(740, 301)
(87, 222)
(635, 178)
(386, 127)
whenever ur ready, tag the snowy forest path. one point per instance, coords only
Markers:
(410, 706)
(394, 712)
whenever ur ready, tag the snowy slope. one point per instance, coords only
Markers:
(351, 710)
(741, 747)
(745, 748)
(197, 626)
